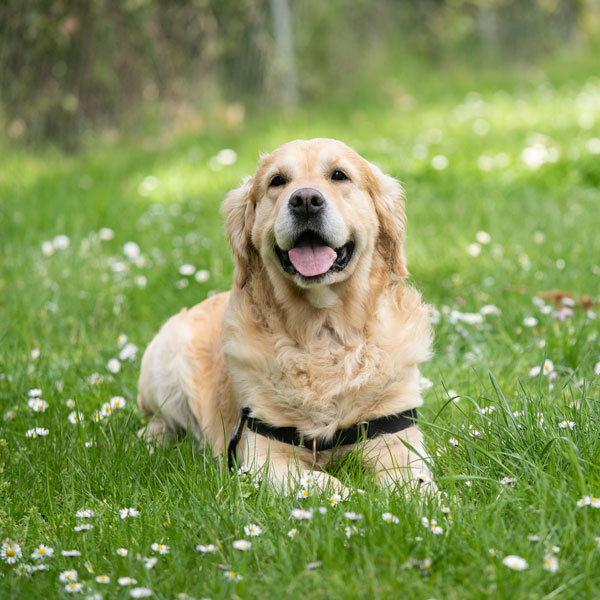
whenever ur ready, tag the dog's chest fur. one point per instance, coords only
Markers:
(326, 383)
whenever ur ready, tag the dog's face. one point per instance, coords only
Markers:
(313, 212)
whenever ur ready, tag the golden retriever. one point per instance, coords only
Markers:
(319, 332)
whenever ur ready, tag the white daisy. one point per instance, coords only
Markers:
(206, 549)
(131, 250)
(71, 553)
(232, 576)
(117, 402)
(566, 425)
(202, 275)
(113, 365)
(242, 545)
(292, 533)
(10, 551)
(140, 592)
(83, 527)
(23, 569)
(301, 515)
(121, 552)
(508, 481)
(75, 417)
(595, 502)
(390, 518)
(36, 432)
(353, 516)
(550, 563)
(584, 501)
(335, 500)
(128, 512)
(252, 530)
(150, 563)
(37, 405)
(106, 234)
(530, 321)
(515, 562)
(70, 575)
(121, 340)
(42, 551)
(187, 270)
(126, 581)
(85, 514)
(128, 352)
(34, 393)
(73, 588)
(160, 548)
(304, 493)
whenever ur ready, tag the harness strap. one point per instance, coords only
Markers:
(342, 437)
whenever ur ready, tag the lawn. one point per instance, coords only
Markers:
(503, 195)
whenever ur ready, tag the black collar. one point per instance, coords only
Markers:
(342, 437)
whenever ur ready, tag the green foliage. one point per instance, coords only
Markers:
(68, 68)
(521, 166)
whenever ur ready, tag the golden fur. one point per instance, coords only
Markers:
(317, 357)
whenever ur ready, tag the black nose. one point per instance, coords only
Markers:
(306, 202)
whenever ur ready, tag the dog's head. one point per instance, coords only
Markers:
(314, 213)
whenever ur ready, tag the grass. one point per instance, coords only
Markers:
(72, 305)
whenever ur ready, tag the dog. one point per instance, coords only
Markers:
(319, 335)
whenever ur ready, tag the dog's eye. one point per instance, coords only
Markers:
(277, 181)
(338, 175)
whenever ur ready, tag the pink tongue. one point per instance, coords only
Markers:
(312, 259)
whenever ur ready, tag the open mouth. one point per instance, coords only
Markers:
(312, 257)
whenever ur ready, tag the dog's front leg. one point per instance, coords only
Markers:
(286, 466)
(398, 460)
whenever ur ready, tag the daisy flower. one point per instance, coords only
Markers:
(128, 352)
(37, 405)
(493, 552)
(335, 500)
(508, 481)
(103, 579)
(322, 510)
(292, 533)
(83, 527)
(71, 553)
(75, 417)
(566, 425)
(73, 588)
(252, 530)
(23, 569)
(202, 275)
(36, 432)
(121, 340)
(121, 552)
(425, 521)
(160, 548)
(207, 548)
(550, 563)
(113, 365)
(584, 501)
(140, 592)
(595, 502)
(85, 514)
(390, 518)
(516, 563)
(303, 493)
(436, 529)
(10, 552)
(302, 515)
(88, 566)
(150, 563)
(242, 545)
(117, 402)
(307, 481)
(555, 549)
(70, 575)
(128, 512)
(34, 393)
(530, 321)
(353, 516)
(126, 581)
(351, 530)
(42, 551)
(232, 576)
(187, 270)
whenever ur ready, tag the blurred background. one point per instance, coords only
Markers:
(75, 72)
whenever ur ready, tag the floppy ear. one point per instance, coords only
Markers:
(238, 209)
(388, 196)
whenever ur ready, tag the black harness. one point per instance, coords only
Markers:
(342, 437)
